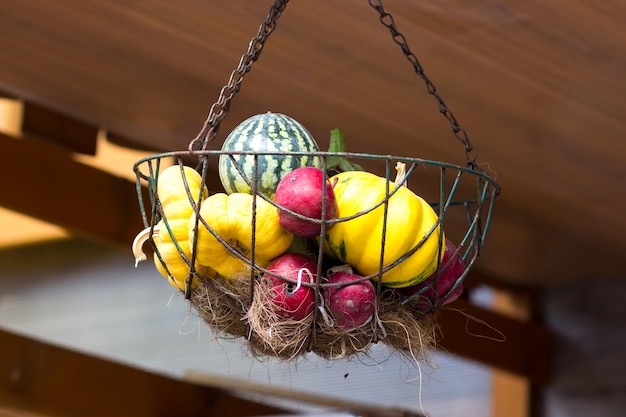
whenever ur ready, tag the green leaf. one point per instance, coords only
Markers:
(305, 246)
(339, 163)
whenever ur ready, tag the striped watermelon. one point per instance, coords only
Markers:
(268, 132)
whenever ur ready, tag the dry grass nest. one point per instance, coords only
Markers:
(237, 309)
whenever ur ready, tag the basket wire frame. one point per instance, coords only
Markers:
(477, 210)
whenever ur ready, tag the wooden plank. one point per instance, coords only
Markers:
(61, 129)
(11, 115)
(327, 401)
(44, 182)
(511, 394)
(494, 339)
(51, 125)
(13, 412)
(49, 380)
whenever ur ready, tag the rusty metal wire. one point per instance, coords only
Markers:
(475, 211)
(388, 21)
(220, 108)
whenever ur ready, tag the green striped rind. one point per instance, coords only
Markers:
(268, 132)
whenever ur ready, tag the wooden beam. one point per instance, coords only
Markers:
(327, 401)
(56, 127)
(494, 339)
(44, 182)
(11, 115)
(61, 129)
(511, 394)
(48, 380)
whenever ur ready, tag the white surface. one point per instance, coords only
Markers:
(92, 299)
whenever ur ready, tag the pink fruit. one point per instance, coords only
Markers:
(451, 268)
(289, 300)
(352, 304)
(302, 192)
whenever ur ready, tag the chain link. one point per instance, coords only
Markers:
(459, 132)
(220, 108)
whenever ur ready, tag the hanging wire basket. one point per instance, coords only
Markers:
(172, 191)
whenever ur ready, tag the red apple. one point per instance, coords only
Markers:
(302, 192)
(434, 296)
(351, 305)
(291, 300)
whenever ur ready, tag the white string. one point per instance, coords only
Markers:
(299, 282)
(327, 319)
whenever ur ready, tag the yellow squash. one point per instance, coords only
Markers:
(172, 238)
(230, 217)
(358, 241)
(177, 266)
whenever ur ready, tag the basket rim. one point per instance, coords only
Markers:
(200, 154)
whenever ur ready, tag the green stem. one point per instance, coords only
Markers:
(339, 163)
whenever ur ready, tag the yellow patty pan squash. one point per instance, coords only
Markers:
(230, 217)
(171, 236)
(177, 266)
(358, 241)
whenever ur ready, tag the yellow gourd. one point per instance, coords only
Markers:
(358, 241)
(170, 234)
(230, 217)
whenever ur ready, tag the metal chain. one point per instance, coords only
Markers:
(388, 21)
(220, 108)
